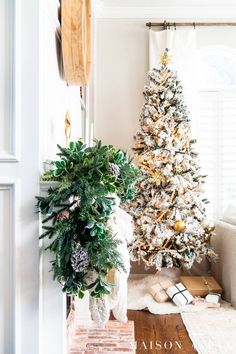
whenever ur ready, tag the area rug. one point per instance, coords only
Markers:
(212, 331)
(115, 338)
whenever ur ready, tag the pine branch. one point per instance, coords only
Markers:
(78, 209)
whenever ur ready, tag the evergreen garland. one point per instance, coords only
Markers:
(76, 213)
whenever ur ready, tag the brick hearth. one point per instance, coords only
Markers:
(115, 338)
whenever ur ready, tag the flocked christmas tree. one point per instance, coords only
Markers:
(169, 210)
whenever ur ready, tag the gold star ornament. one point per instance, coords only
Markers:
(165, 58)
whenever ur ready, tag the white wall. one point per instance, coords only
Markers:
(121, 60)
(121, 68)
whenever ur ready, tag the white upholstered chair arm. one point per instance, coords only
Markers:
(224, 243)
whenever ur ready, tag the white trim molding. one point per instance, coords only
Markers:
(97, 6)
(12, 322)
(52, 301)
(11, 153)
(168, 13)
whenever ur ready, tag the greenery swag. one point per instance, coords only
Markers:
(77, 210)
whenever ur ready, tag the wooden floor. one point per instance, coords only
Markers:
(160, 334)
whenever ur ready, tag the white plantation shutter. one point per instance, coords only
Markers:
(216, 134)
(228, 144)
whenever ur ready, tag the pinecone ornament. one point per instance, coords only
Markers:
(114, 169)
(63, 215)
(79, 259)
(100, 311)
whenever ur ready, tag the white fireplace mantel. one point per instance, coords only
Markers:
(53, 324)
(52, 300)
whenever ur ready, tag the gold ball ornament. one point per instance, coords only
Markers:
(179, 225)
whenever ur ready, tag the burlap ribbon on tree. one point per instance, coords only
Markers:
(76, 41)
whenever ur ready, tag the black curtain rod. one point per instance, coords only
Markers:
(167, 24)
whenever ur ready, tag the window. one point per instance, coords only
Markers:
(216, 127)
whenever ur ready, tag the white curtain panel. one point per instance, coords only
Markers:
(182, 46)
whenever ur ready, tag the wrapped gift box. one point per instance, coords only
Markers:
(201, 285)
(199, 301)
(213, 298)
(158, 291)
(179, 294)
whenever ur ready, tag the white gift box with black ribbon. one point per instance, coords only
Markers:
(179, 294)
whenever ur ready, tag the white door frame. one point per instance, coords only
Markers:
(27, 19)
(19, 178)
(36, 304)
